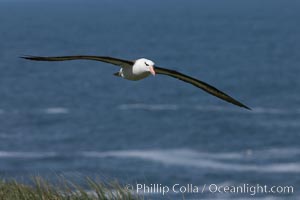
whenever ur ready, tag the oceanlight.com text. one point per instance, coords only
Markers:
(209, 188)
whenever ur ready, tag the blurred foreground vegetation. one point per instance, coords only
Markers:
(41, 189)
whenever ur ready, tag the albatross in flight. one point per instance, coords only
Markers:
(142, 68)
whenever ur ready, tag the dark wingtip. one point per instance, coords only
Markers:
(246, 107)
(237, 103)
(36, 58)
(241, 105)
(28, 57)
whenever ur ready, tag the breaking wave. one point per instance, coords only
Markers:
(217, 161)
(246, 160)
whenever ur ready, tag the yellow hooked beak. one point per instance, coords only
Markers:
(152, 70)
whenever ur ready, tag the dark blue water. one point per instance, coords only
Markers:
(77, 119)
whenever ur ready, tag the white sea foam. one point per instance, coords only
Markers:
(254, 110)
(175, 107)
(281, 152)
(155, 107)
(227, 161)
(286, 123)
(190, 158)
(11, 154)
(56, 110)
(273, 111)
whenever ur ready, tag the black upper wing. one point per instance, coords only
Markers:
(114, 61)
(200, 84)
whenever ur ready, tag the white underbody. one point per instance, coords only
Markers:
(133, 74)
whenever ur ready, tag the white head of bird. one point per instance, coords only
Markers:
(141, 68)
(143, 65)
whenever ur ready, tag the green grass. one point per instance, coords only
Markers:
(41, 189)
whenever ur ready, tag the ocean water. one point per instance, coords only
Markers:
(76, 119)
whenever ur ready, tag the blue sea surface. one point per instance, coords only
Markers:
(76, 119)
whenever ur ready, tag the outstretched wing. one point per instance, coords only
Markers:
(200, 84)
(111, 60)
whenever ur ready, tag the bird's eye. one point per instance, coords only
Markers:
(146, 64)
